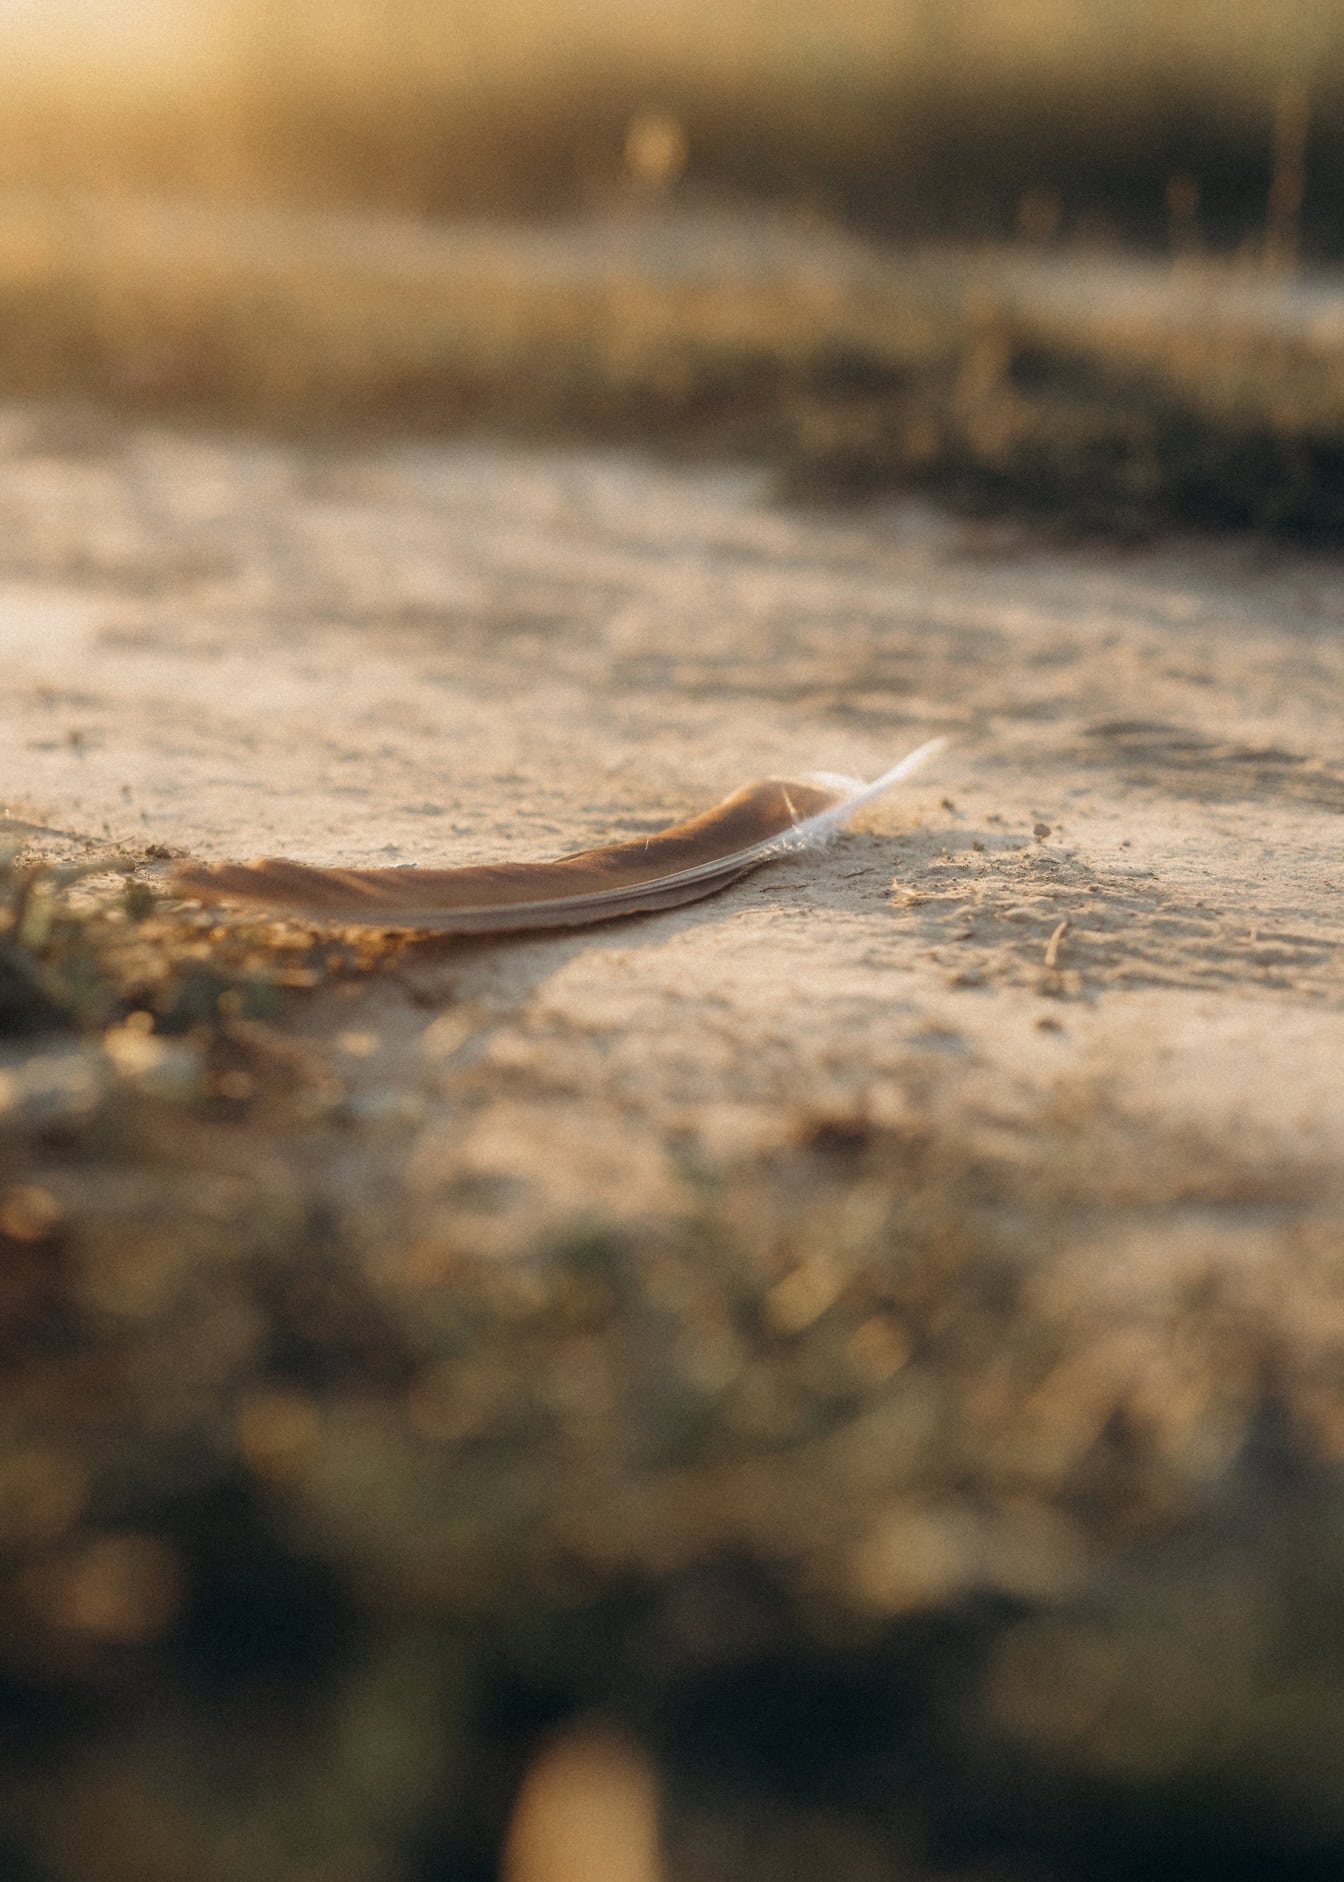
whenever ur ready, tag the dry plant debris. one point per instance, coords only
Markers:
(1112, 397)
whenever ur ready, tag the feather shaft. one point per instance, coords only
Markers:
(688, 860)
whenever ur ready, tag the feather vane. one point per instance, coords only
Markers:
(688, 860)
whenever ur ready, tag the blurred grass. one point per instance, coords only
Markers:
(1099, 393)
(911, 116)
(173, 1004)
(971, 1493)
(1016, 1467)
(266, 228)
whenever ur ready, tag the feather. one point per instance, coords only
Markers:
(679, 864)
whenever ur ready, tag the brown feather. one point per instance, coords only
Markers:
(679, 864)
(719, 845)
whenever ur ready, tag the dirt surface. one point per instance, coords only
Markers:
(874, 1334)
(461, 653)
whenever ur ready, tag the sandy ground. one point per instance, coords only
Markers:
(1109, 915)
(462, 652)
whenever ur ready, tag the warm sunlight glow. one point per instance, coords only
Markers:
(124, 39)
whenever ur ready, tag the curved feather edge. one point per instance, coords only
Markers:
(805, 813)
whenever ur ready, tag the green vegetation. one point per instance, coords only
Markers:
(168, 1004)
(66, 967)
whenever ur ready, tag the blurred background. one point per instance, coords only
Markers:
(1072, 257)
(1100, 119)
(1046, 256)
